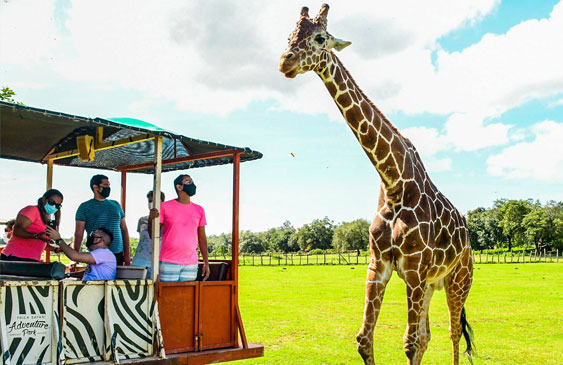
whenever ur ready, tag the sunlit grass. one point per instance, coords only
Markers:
(310, 315)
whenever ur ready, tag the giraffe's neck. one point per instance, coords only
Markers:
(387, 149)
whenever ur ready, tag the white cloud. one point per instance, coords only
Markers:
(210, 56)
(538, 160)
(468, 132)
(556, 103)
(215, 56)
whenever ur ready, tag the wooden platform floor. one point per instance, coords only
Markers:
(201, 357)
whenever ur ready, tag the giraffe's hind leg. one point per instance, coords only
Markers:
(457, 287)
(424, 325)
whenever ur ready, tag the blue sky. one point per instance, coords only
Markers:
(476, 85)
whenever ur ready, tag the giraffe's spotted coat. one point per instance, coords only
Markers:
(416, 231)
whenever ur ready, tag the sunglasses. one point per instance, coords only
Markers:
(52, 202)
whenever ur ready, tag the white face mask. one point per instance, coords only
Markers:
(151, 205)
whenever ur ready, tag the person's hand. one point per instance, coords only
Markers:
(43, 237)
(53, 234)
(153, 214)
(205, 273)
(72, 266)
(127, 260)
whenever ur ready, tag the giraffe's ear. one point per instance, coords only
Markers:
(339, 44)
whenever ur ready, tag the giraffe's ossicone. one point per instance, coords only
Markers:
(416, 231)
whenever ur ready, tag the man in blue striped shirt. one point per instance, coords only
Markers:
(102, 212)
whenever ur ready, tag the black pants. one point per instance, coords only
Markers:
(119, 258)
(14, 258)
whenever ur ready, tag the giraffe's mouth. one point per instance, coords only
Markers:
(291, 73)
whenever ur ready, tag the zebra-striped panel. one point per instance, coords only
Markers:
(29, 322)
(130, 321)
(83, 321)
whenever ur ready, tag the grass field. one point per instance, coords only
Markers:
(310, 315)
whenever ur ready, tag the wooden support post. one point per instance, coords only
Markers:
(123, 190)
(235, 230)
(156, 200)
(241, 328)
(49, 185)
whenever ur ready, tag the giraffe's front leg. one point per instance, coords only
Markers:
(379, 273)
(416, 293)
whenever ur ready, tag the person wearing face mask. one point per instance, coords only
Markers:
(28, 237)
(143, 253)
(102, 212)
(102, 264)
(183, 229)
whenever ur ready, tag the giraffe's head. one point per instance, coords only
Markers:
(308, 43)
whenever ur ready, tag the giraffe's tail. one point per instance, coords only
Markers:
(468, 335)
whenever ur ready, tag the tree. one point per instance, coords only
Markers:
(512, 212)
(351, 236)
(318, 234)
(7, 94)
(221, 244)
(538, 227)
(280, 238)
(251, 242)
(484, 229)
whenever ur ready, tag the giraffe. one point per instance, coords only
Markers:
(416, 232)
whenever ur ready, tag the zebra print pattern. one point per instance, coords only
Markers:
(29, 322)
(105, 320)
(83, 321)
(102, 320)
(130, 324)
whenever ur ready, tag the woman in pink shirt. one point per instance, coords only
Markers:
(28, 238)
(183, 230)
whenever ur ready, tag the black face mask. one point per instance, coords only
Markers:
(105, 192)
(90, 241)
(189, 189)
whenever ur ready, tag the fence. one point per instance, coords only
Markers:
(351, 258)
(517, 257)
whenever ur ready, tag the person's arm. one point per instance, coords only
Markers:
(21, 226)
(126, 247)
(78, 235)
(152, 215)
(85, 257)
(202, 242)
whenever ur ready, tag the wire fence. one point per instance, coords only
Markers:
(352, 258)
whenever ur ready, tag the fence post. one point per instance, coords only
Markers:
(544, 255)
(487, 257)
(307, 259)
(292, 260)
(317, 259)
(324, 258)
(505, 257)
(338, 259)
(557, 255)
(243, 260)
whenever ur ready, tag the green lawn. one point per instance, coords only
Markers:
(310, 315)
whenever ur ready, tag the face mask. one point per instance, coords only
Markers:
(50, 209)
(151, 205)
(90, 241)
(105, 192)
(189, 189)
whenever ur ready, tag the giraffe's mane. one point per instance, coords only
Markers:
(391, 125)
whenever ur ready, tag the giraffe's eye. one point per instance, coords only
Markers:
(319, 39)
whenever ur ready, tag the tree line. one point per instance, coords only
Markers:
(507, 224)
(318, 236)
(517, 223)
